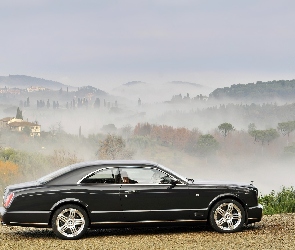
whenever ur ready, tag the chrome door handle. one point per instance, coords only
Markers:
(130, 191)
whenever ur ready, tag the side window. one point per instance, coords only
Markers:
(144, 175)
(102, 176)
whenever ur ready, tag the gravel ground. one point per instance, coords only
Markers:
(273, 232)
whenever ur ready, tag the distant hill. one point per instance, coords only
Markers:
(150, 92)
(180, 83)
(22, 81)
(86, 90)
(133, 83)
(271, 91)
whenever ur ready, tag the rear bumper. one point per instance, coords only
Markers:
(254, 214)
(24, 218)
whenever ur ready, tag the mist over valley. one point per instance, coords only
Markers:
(176, 124)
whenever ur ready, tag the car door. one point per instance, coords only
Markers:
(148, 194)
(102, 196)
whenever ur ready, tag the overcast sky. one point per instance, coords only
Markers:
(111, 42)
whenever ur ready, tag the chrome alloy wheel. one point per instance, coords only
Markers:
(228, 216)
(70, 222)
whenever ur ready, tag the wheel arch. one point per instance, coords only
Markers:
(66, 201)
(228, 196)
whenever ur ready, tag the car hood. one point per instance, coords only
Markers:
(228, 184)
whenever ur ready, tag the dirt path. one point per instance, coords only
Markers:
(273, 232)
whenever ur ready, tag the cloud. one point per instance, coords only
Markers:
(146, 38)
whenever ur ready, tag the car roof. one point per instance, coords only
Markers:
(103, 163)
(111, 162)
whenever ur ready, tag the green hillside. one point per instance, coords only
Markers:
(261, 91)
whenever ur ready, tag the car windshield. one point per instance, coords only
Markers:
(57, 173)
(173, 173)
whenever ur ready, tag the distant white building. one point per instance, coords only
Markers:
(4, 122)
(13, 91)
(35, 89)
(18, 125)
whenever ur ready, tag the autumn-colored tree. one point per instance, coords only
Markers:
(180, 138)
(142, 129)
(114, 147)
(62, 158)
(8, 173)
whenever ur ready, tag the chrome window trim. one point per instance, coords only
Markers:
(93, 172)
(121, 167)
(171, 172)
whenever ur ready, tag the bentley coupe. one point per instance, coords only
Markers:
(126, 194)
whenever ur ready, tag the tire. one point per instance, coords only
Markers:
(227, 216)
(70, 222)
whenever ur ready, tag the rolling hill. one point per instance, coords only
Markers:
(22, 81)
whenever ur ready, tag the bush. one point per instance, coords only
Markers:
(19, 166)
(8, 172)
(280, 202)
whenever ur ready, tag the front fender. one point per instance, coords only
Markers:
(228, 196)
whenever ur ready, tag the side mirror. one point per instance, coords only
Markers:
(191, 180)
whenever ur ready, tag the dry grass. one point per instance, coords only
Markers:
(273, 232)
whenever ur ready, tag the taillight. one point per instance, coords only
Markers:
(8, 200)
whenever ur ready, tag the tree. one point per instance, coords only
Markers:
(225, 128)
(251, 127)
(286, 128)
(264, 136)
(114, 147)
(19, 114)
(206, 145)
(126, 131)
(62, 158)
(97, 103)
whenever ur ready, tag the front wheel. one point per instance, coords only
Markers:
(227, 216)
(70, 222)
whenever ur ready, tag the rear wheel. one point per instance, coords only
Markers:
(227, 216)
(70, 222)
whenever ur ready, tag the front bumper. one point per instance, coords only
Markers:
(2, 211)
(254, 214)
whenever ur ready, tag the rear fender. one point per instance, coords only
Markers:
(69, 201)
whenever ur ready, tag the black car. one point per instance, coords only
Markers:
(126, 194)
